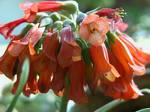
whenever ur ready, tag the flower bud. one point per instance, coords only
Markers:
(80, 17)
(70, 6)
(46, 21)
(58, 25)
(71, 23)
(55, 16)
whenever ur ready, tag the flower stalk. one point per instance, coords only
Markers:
(65, 98)
(22, 82)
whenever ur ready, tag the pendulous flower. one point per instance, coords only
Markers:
(93, 29)
(69, 59)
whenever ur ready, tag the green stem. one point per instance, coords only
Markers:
(12, 105)
(22, 82)
(64, 103)
(127, 106)
(65, 99)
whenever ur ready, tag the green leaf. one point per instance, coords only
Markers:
(22, 82)
(144, 110)
(117, 105)
(146, 90)
(109, 106)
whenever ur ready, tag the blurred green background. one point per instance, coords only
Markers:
(138, 18)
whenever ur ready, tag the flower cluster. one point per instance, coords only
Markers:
(88, 50)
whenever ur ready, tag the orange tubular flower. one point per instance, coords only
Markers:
(139, 56)
(102, 67)
(69, 51)
(16, 49)
(31, 38)
(76, 58)
(76, 74)
(30, 86)
(44, 68)
(121, 88)
(8, 64)
(43, 64)
(93, 29)
(58, 81)
(51, 45)
(123, 55)
(31, 9)
(6, 29)
(32, 82)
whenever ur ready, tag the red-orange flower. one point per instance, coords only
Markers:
(42, 65)
(114, 16)
(124, 61)
(93, 29)
(124, 56)
(6, 29)
(69, 61)
(139, 56)
(31, 38)
(7, 64)
(31, 9)
(76, 74)
(44, 68)
(121, 88)
(58, 81)
(102, 67)
(69, 51)
(51, 45)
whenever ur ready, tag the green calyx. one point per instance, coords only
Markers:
(85, 50)
(80, 17)
(58, 25)
(71, 23)
(70, 6)
(55, 16)
(39, 46)
(111, 37)
(26, 29)
(39, 16)
(46, 21)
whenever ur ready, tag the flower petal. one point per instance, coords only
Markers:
(7, 29)
(77, 79)
(7, 64)
(50, 46)
(137, 53)
(69, 49)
